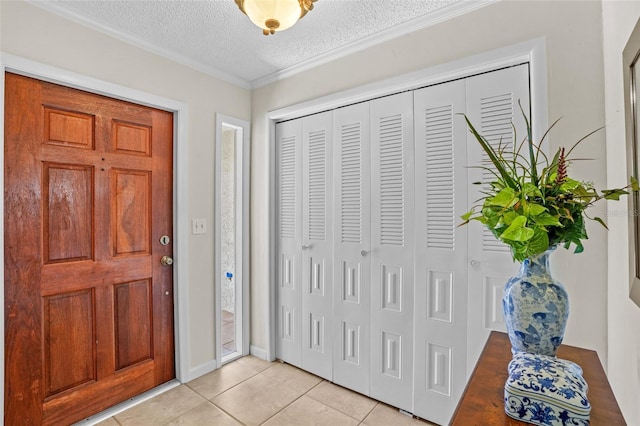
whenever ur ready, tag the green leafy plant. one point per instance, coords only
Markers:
(532, 204)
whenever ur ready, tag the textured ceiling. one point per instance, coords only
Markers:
(215, 37)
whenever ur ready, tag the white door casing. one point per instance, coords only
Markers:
(531, 52)
(241, 274)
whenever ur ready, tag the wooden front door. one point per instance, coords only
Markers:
(88, 304)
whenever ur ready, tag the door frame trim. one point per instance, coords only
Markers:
(44, 72)
(532, 51)
(244, 270)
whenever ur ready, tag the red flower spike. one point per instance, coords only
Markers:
(562, 168)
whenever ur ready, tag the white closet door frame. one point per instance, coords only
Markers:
(532, 52)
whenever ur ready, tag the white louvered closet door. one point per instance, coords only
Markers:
(317, 245)
(441, 249)
(352, 241)
(492, 107)
(392, 247)
(289, 184)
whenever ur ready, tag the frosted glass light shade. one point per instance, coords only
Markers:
(261, 12)
(275, 15)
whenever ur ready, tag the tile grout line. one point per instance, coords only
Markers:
(239, 383)
(190, 409)
(292, 402)
(210, 401)
(226, 412)
(335, 409)
(376, 402)
(370, 411)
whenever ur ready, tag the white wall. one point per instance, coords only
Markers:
(33, 33)
(573, 32)
(619, 18)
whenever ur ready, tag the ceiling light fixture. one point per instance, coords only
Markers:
(275, 15)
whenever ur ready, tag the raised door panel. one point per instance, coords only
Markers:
(441, 249)
(392, 248)
(131, 138)
(351, 244)
(69, 341)
(68, 128)
(289, 293)
(68, 215)
(132, 323)
(131, 212)
(317, 245)
(492, 107)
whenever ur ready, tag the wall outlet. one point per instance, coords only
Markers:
(198, 226)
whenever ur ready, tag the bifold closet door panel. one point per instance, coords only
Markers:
(289, 232)
(392, 248)
(441, 250)
(317, 245)
(492, 107)
(352, 243)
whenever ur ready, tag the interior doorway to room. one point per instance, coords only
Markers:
(232, 208)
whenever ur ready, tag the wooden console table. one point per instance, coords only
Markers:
(481, 403)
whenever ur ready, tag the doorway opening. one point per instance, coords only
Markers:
(232, 260)
(64, 80)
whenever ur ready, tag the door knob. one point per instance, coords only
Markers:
(166, 260)
(364, 253)
(306, 247)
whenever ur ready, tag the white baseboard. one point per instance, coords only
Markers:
(200, 370)
(259, 353)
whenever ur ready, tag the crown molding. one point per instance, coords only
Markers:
(440, 15)
(93, 24)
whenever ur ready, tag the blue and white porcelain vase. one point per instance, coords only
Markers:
(536, 308)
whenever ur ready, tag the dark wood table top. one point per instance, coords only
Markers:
(481, 403)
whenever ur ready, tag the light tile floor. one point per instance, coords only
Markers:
(250, 391)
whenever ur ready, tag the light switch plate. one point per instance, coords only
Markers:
(198, 226)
